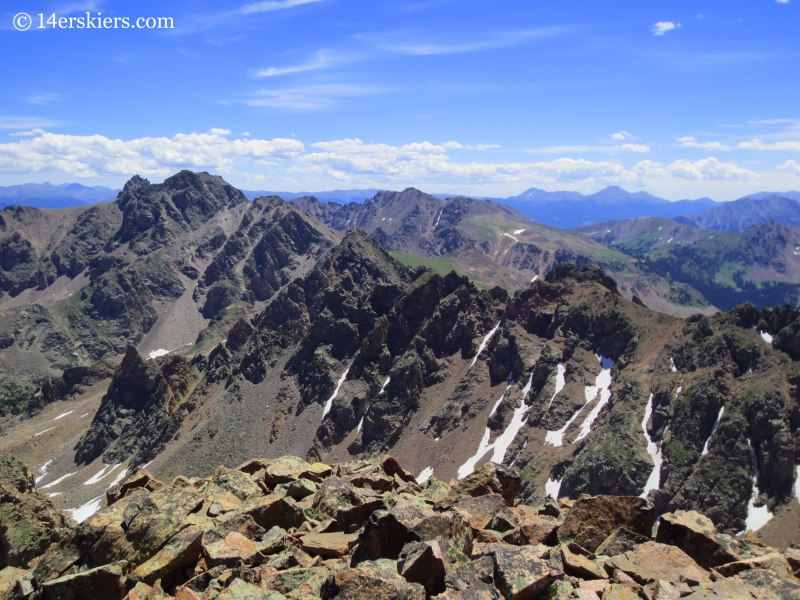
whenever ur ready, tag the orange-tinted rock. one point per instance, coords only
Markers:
(229, 551)
(652, 561)
(696, 535)
(329, 545)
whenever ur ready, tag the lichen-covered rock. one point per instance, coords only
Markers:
(371, 580)
(592, 519)
(651, 562)
(29, 522)
(102, 582)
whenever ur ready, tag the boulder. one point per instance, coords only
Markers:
(238, 484)
(328, 545)
(106, 582)
(181, 551)
(491, 479)
(273, 510)
(229, 551)
(592, 519)
(620, 541)
(580, 566)
(696, 535)
(377, 581)
(652, 561)
(481, 509)
(139, 479)
(241, 590)
(385, 533)
(13, 583)
(301, 488)
(339, 499)
(525, 572)
(755, 583)
(773, 561)
(424, 563)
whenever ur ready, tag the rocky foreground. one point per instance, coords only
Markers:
(286, 528)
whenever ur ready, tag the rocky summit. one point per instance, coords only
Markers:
(179, 331)
(288, 528)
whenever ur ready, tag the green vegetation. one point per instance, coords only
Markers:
(441, 264)
(14, 396)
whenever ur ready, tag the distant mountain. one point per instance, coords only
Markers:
(742, 214)
(338, 196)
(46, 195)
(491, 243)
(572, 209)
(762, 195)
(760, 265)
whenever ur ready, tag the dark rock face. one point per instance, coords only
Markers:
(141, 411)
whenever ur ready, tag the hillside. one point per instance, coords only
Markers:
(490, 243)
(760, 265)
(740, 215)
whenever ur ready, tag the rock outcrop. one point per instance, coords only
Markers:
(366, 529)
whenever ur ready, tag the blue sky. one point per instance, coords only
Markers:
(682, 99)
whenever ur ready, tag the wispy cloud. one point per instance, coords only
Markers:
(42, 98)
(392, 43)
(757, 144)
(710, 168)
(663, 27)
(25, 123)
(790, 165)
(621, 136)
(689, 142)
(309, 98)
(607, 149)
(321, 60)
(270, 5)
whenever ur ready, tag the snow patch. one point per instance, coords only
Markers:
(82, 513)
(553, 487)
(83, 415)
(435, 225)
(383, 387)
(653, 450)
(42, 471)
(518, 231)
(57, 481)
(485, 341)
(500, 446)
(329, 403)
(425, 475)
(41, 432)
(757, 516)
(560, 382)
(156, 354)
(672, 366)
(119, 477)
(511, 236)
(101, 474)
(603, 385)
(360, 424)
(797, 484)
(62, 415)
(713, 430)
(535, 277)
(765, 336)
(54, 494)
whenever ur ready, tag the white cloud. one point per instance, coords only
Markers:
(757, 144)
(689, 142)
(399, 42)
(791, 166)
(710, 169)
(309, 98)
(663, 27)
(621, 136)
(270, 5)
(782, 1)
(94, 155)
(481, 147)
(641, 148)
(30, 133)
(216, 131)
(321, 60)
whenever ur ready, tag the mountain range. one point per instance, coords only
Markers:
(184, 327)
(46, 195)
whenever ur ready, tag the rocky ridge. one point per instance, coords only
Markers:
(286, 528)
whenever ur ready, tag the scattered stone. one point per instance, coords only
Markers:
(229, 551)
(181, 551)
(525, 572)
(580, 566)
(424, 563)
(107, 582)
(774, 562)
(377, 581)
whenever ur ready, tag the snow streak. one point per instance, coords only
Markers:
(329, 403)
(654, 452)
(485, 341)
(713, 430)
